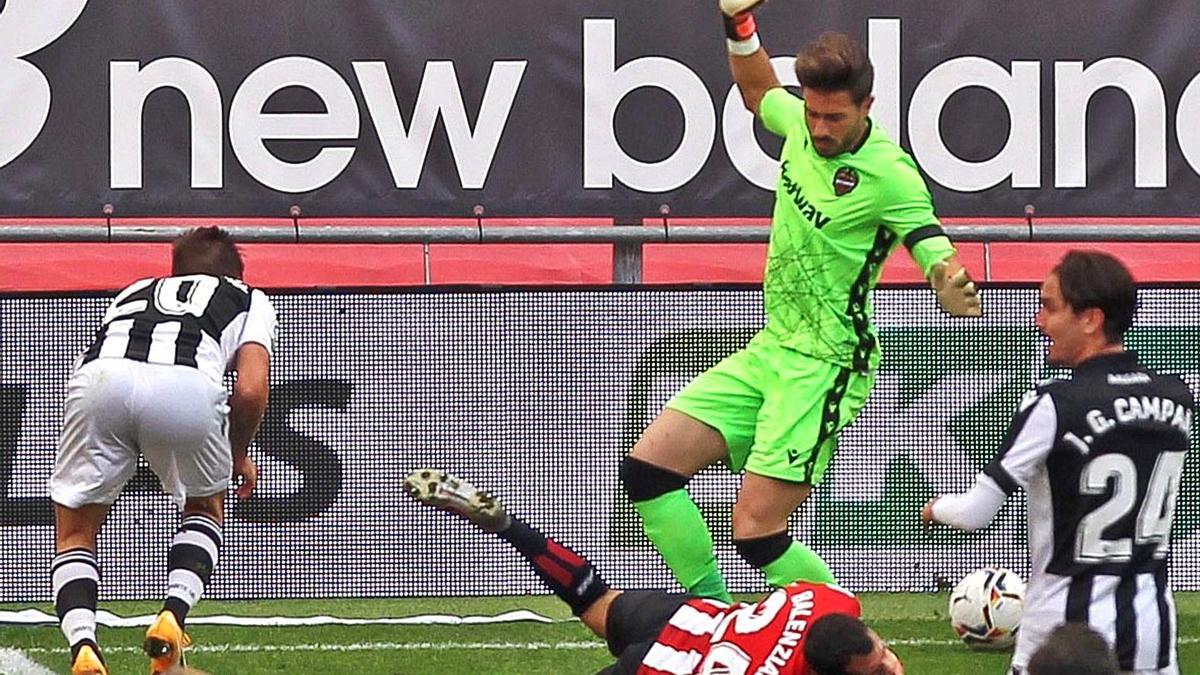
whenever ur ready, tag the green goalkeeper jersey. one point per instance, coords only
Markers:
(836, 220)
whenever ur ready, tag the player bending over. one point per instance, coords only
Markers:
(799, 629)
(151, 385)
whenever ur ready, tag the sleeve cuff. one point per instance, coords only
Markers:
(921, 234)
(929, 246)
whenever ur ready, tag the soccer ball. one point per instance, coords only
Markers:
(986, 608)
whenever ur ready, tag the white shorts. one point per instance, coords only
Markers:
(174, 416)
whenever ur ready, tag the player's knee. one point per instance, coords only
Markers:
(644, 481)
(762, 551)
(752, 520)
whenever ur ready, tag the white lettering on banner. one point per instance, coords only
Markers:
(1074, 86)
(440, 95)
(1018, 89)
(883, 47)
(405, 151)
(1189, 134)
(129, 85)
(25, 27)
(1020, 157)
(249, 126)
(737, 130)
(605, 85)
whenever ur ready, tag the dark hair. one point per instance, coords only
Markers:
(206, 250)
(833, 640)
(836, 62)
(1095, 279)
(1073, 649)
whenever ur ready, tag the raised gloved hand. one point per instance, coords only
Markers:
(735, 7)
(739, 22)
(956, 292)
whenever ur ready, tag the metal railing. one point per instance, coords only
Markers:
(640, 232)
(627, 238)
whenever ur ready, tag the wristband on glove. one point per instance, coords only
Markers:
(741, 32)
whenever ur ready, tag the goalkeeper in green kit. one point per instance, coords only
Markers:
(847, 197)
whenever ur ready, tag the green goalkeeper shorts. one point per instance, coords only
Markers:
(780, 411)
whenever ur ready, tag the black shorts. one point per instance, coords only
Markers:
(634, 622)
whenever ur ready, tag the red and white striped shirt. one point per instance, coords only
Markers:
(708, 637)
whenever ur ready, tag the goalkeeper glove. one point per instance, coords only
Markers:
(735, 7)
(955, 293)
(740, 28)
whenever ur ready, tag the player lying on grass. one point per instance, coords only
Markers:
(799, 629)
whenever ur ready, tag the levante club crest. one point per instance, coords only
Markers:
(845, 180)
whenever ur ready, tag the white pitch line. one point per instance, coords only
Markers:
(408, 646)
(14, 662)
(31, 617)
(358, 647)
(425, 646)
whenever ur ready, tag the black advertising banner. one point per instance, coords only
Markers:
(533, 108)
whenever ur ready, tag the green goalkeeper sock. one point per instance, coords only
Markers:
(672, 521)
(798, 563)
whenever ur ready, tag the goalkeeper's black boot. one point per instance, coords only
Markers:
(453, 494)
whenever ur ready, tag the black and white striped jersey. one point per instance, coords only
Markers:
(196, 320)
(1101, 457)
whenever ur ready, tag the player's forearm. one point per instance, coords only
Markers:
(246, 409)
(754, 77)
(749, 63)
(972, 509)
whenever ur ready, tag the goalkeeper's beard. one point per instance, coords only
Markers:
(829, 146)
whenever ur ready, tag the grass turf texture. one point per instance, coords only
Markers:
(915, 623)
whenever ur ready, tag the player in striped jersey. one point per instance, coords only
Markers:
(152, 385)
(1101, 458)
(802, 628)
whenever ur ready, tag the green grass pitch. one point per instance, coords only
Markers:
(914, 623)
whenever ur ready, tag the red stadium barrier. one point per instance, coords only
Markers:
(109, 266)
